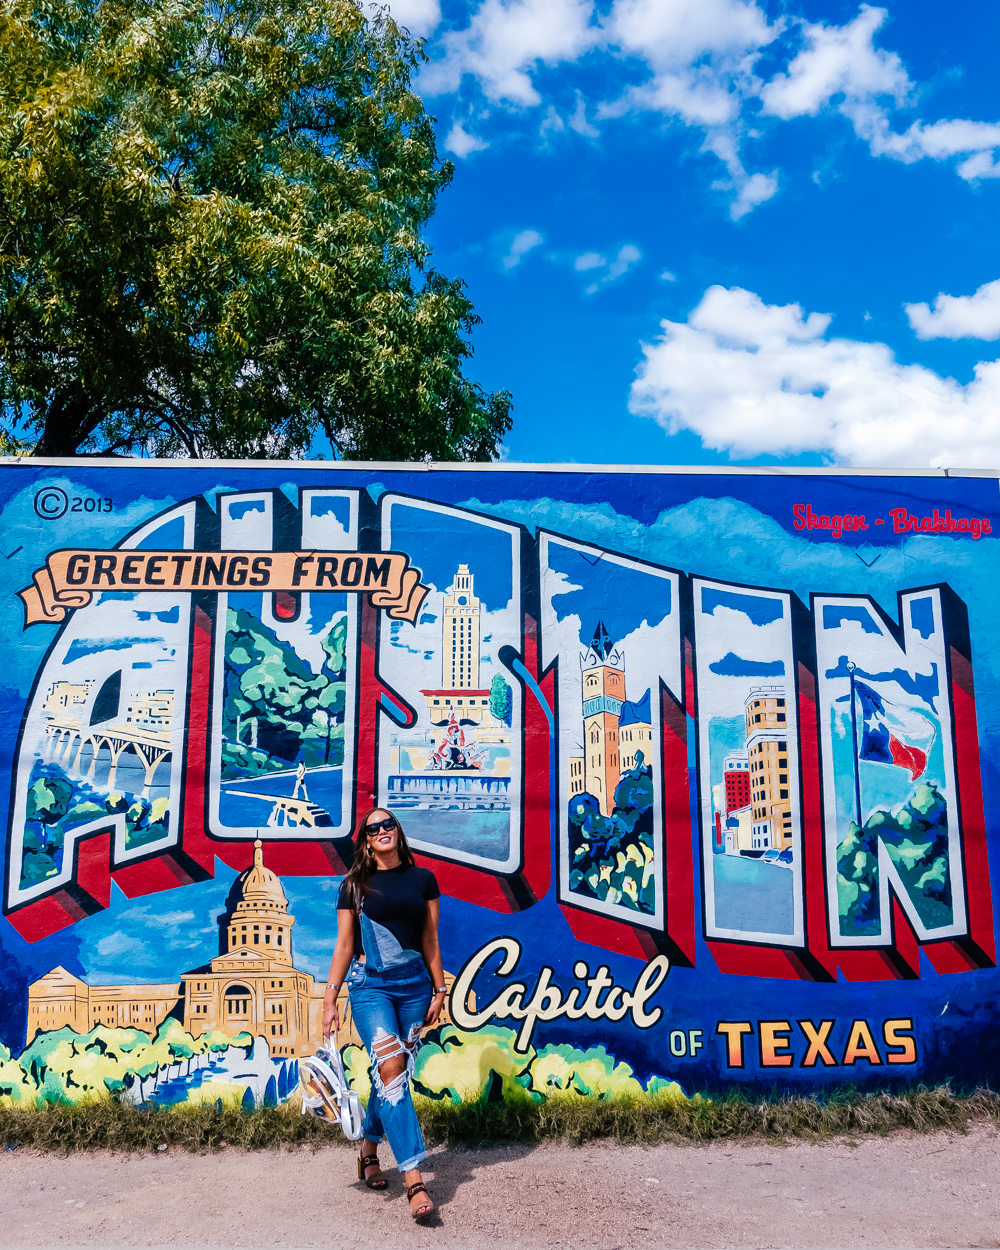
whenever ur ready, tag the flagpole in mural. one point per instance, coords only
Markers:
(854, 743)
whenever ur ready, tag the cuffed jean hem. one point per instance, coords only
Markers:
(409, 1164)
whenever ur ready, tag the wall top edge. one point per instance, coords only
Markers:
(507, 466)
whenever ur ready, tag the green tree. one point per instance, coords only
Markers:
(269, 686)
(210, 236)
(501, 699)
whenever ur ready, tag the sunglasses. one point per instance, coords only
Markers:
(388, 824)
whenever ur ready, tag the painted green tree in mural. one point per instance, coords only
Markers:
(916, 840)
(57, 803)
(501, 700)
(211, 219)
(61, 1065)
(612, 856)
(276, 711)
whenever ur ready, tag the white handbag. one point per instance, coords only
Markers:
(325, 1091)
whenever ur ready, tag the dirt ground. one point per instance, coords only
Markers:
(906, 1190)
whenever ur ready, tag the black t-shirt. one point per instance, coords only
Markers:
(397, 900)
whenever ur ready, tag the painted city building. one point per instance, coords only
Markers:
(670, 741)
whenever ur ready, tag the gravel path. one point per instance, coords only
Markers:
(906, 1190)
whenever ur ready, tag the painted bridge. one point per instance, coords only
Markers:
(65, 739)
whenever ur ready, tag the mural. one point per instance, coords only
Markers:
(702, 761)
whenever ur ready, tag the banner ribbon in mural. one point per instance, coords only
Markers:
(70, 577)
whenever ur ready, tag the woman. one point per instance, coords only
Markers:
(387, 951)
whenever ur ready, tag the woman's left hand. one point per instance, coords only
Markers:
(434, 1010)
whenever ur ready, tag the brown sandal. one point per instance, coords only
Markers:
(427, 1209)
(365, 1162)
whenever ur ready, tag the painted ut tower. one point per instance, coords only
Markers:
(460, 662)
(603, 676)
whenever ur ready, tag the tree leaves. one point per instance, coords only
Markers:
(211, 236)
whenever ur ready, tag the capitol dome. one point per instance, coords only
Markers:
(259, 885)
(256, 914)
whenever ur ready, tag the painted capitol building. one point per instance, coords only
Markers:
(251, 986)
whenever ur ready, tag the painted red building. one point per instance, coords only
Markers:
(736, 774)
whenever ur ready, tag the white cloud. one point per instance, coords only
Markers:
(420, 17)
(119, 945)
(753, 190)
(982, 165)
(551, 122)
(838, 60)
(701, 53)
(504, 43)
(521, 245)
(842, 61)
(667, 276)
(578, 121)
(628, 256)
(754, 378)
(975, 316)
(623, 262)
(748, 190)
(462, 143)
(171, 920)
(701, 59)
(942, 140)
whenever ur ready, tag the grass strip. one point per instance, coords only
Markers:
(653, 1118)
(113, 1125)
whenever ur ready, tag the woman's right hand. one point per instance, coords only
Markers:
(331, 1017)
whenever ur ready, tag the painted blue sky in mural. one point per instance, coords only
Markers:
(440, 542)
(663, 205)
(622, 598)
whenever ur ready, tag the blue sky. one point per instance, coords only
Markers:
(720, 231)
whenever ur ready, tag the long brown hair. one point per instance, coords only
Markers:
(359, 878)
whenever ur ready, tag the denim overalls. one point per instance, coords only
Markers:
(389, 996)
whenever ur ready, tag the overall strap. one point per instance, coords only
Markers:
(359, 941)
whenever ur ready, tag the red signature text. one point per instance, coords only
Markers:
(806, 519)
(938, 524)
(903, 522)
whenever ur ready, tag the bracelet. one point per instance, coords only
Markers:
(330, 986)
(441, 989)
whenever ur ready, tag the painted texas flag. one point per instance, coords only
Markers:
(892, 734)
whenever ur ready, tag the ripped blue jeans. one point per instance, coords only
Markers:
(388, 1006)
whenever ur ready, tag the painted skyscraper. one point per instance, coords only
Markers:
(460, 632)
(460, 659)
(767, 751)
(603, 677)
(615, 732)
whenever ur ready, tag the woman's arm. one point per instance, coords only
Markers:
(432, 958)
(343, 953)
